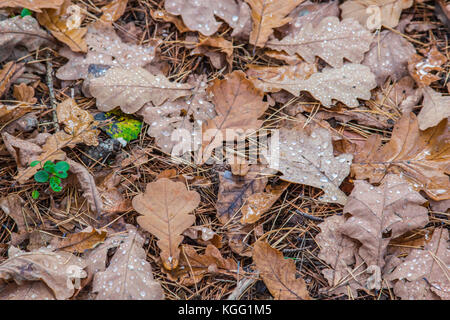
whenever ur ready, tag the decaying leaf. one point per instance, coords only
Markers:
(425, 275)
(279, 274)
(165, 208)
(259, 203)
(20, 31)
(375, 13)
(420, 68)
(379, 214)
(332, 40)
(64, 24)
(129, 276)
(308, 159)
(78, 123)
(423, 157)
(388, 56)
(81, 241)
(55, 269)
(35, 5)
(267, 15)
(436, 107)
(193, 266)
(132, 88)
(238, 105)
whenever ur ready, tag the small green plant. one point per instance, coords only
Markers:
(51, 173)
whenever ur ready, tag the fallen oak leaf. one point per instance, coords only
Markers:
(164, 208)
(332, 40)
(81, 241)
(278, 273)
(436, 107)
(129, 275)
(24, 93)
(27, 290)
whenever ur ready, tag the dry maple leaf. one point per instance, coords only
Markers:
(132, 88)
(238, 105)
(388, 56)
(379, 214)
(55, 269)
(420, 68)
(267, 15)
(177, 115)
(369, 11)
(129, 276)
(106, 50)
(20, 31)
(78, 123)
(332, 40)
(308, 159)
(193, 266)
(59, 22)
(235, 15)
(425, 274)
(259, 203)
(436, 107)
(165, 208)
(423, 156)
(79, 242)
(34, 5)
(278, 273)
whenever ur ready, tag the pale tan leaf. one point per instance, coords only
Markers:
(332, 40)
(308, 159)
(379, 214)
(423, 156)
(367, 12)
(129, 275)
(55, 269)
(132, 88)
(34, 5)
(425, 274)
(59, 22)
(436, 107)
(165, 208)
(267, 15)
(279, 274)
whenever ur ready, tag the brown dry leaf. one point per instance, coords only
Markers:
(193, 266)
(10, 113)
(28, 290)
(259, 203)
(113, 200)
(79, 242)
(204, 236)
(367, 12)
(423, 156)
(167, 17)
(235, 15)
(268, 15)
(55, 269)
(113, 10)
(34, 5)
(308, 159)
(436, 107)
(332, 40)
(420, 68)
(338, 251)
(177, 115)
(269, 79)
(238, 105)
(165, 208)
(129, 275)
(24, 32)
(78, 123)
(388, 56)
(64, 24)
(132, 88)
(379, 214)
(217, 49)
(24, 93)
(425, 275)
(106, 50)
(9, 72)
(279, 274)
(309, 12)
